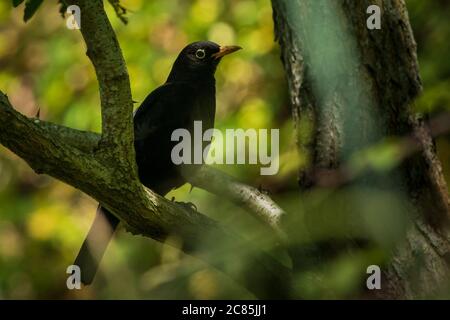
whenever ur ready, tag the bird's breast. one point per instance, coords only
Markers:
(205, 107)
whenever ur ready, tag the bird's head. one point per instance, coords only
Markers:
(198, 61)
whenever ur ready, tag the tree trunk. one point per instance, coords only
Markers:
(357, 86)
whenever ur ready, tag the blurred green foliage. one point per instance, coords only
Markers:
(43, 67)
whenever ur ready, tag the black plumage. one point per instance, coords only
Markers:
(187, 96)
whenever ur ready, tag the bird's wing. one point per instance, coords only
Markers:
(163, 107)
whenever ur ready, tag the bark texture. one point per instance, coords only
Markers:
(357, 86)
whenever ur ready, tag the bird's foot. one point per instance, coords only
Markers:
(262, 190)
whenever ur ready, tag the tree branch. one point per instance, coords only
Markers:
(250, 198)
(115, 94)
(46, 145)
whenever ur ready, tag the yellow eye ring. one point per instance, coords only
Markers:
(200, 53)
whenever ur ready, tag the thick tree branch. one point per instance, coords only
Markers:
(115, 94)
(85, 141)
(256, 202)
(43, 145)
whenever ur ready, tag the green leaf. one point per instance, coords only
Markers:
(16, 3)
(31, 7)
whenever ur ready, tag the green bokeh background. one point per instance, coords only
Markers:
(43, 221)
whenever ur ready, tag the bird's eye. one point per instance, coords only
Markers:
(200, 53)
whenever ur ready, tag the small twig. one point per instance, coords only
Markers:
(120, 10)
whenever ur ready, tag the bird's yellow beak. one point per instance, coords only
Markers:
(224, 50)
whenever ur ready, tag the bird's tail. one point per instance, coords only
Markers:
(95, 244)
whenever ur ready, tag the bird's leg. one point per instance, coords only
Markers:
(262, 190)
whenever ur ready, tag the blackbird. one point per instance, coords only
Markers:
(188, 95)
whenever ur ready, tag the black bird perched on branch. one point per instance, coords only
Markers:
(188, 95)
